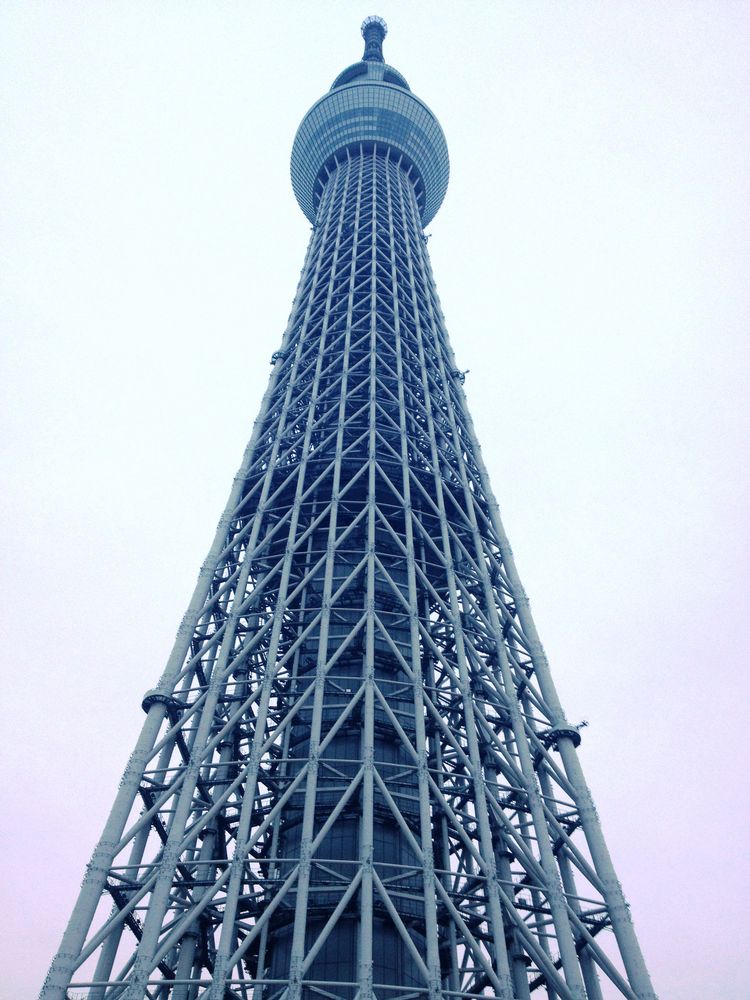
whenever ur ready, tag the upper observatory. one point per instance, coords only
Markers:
(370, 103)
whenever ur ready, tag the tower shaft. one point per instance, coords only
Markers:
(355, 778)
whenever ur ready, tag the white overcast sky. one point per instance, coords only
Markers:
(592, 258)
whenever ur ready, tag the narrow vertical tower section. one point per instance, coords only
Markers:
(355, 779)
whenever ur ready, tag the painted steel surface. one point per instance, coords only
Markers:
(355, 778)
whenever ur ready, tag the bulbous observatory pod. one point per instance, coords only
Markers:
(370, 104)
(355, 778)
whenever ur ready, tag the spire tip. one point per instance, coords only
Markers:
(374, 29)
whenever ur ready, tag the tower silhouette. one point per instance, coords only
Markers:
(355, 778)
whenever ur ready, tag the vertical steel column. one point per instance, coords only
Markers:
(97, 870)
(504, 985)
(553, 888)
(228, 938)
(425, 818)
(309, 811)
(617, 907)
(366, 847)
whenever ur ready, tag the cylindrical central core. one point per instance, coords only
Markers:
(367, 232)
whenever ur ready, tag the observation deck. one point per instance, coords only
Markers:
(370, 104)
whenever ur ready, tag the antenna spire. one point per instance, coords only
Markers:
(374, 29)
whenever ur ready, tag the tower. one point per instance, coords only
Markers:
(355, 778)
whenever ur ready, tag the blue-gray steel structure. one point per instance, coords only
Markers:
(370, 103)
(355, 778)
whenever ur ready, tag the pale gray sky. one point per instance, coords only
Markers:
(592, 259)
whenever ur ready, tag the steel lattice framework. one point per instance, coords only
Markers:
(355, 778)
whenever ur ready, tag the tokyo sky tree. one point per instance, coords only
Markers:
(355, 779)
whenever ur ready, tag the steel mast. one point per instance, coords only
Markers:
(355, 778)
